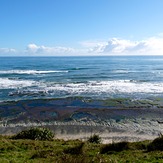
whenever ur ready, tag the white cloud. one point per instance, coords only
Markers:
(32, 48)
(150, 46)
(44, 50)
(114, 46)
(4, 51)
(123, 46)
(94, 46)
(155, 44)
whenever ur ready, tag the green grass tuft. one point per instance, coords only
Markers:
(35, 134)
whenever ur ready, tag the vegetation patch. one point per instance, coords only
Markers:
(116, 147)
(77, 150)
(43, 154)
(94, 139)
(35, 134)
(25, 150)
(156, 144)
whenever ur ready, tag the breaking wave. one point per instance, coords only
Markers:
(6, 83)
(116, 86)
(29, 72)
(92, 88)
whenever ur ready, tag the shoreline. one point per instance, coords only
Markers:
(83, 132)
(78, 118)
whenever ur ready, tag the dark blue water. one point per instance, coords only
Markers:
(96, 77)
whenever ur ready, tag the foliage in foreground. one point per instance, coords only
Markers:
(26, 150)
(35, 134)
(156, 144)
(117, 147)
(76, 150)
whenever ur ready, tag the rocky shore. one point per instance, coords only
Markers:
(78, 118)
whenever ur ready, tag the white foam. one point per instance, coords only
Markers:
(109, 87)
(92, 88)
(29, 72)
(6, 83)
(121, 71)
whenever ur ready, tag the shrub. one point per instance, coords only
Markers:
(156, 144)
(95, 139)
(35, 134)
(117, 147)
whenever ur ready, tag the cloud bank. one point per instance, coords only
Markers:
(44, 50)
(7, 51)
(114, 46)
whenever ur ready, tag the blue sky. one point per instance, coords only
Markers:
(81, 27)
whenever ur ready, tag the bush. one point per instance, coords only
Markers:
(35, 134)
(117, 147)
(95, 139)
(156, 144)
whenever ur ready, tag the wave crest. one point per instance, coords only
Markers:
(30, 72)
(6, 83)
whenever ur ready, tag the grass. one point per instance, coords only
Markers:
(75, 151)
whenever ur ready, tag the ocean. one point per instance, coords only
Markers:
(136, 77)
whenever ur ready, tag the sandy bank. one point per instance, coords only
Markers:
(126, 130)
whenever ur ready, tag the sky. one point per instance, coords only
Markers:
(81, 27)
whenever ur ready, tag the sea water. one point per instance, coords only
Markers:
(94, 77)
